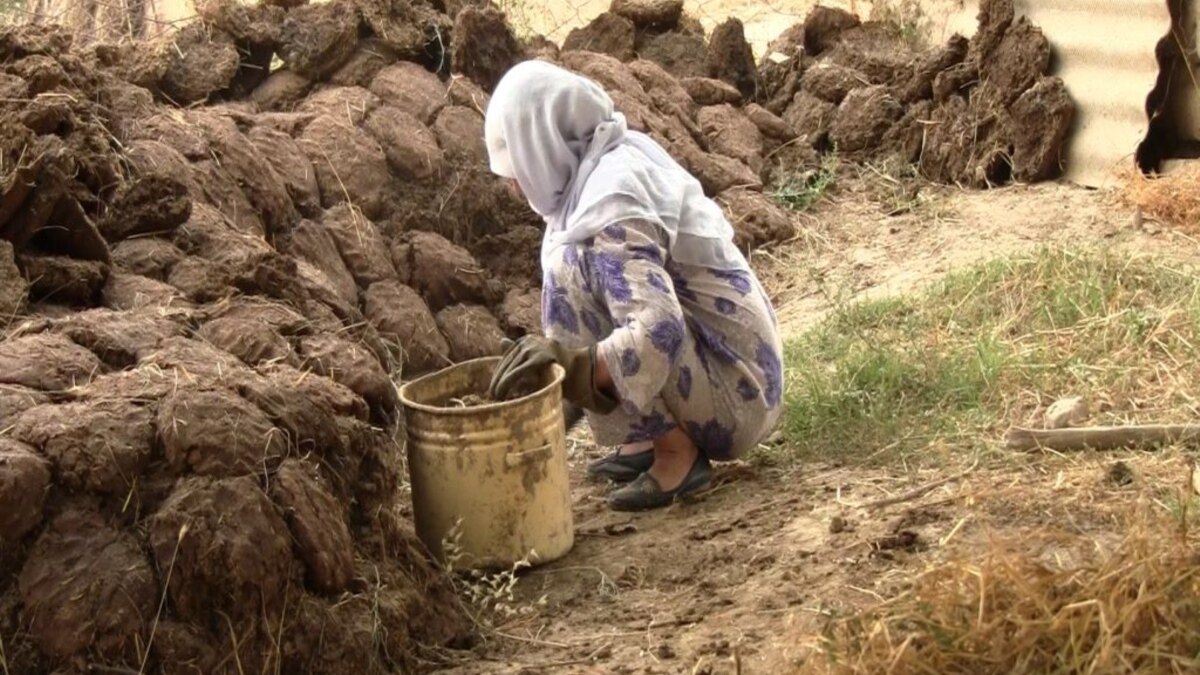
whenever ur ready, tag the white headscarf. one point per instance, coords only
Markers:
(580, 167)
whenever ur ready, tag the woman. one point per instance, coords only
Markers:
(667, 338)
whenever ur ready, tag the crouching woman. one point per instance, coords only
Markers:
(668, 340)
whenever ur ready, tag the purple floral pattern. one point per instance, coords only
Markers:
(649, 427)
(587, 271)
(631, 363)
(611, 270)
(772, 369)
(682, 290)
(714, 342)
(684, 384)
(657, 282)
(615, 232)
(646, 253)
(667, 337)
(689, 347)
(714, 439)
(557, 309)
(739, 280)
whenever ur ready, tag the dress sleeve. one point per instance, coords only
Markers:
(628, 260)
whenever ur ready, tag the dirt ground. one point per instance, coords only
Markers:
(741, 578)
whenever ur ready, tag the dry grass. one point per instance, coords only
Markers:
(1171, 198)
(1092, 574)
(1132, 609)
(907, 18)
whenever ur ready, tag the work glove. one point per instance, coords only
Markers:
(529, 355)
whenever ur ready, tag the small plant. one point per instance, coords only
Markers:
(800, 192)
(490, 595)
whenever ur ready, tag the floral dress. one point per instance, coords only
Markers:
(686, 346)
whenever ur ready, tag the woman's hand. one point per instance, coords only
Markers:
(522, 359)
(532, 353)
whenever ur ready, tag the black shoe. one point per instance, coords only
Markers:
(645, 493)
(572, 415)
(620, 468)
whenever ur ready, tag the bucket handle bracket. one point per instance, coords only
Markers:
(514, 459)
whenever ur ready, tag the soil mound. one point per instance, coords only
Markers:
(835, 84)
(199, 407)
(979, 112)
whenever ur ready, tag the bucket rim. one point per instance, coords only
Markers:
(558, 375)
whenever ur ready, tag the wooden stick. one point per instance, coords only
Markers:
(919, 492)
(1102, 438)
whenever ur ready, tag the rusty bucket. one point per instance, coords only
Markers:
(489, 479)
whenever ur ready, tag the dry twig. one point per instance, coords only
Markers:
(916, 493)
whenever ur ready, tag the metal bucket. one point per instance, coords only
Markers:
(490, 478)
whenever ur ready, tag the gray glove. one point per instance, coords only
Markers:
(532, 353)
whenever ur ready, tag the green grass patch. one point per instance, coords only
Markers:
(802, 191)
(983, 349)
